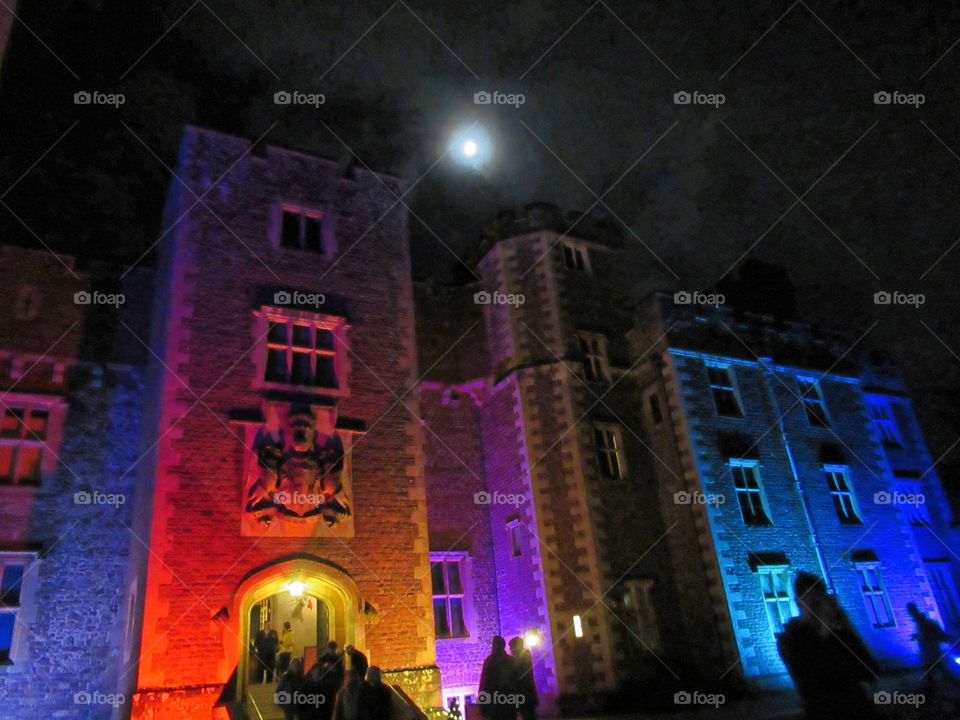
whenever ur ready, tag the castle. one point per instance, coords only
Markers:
(278, 425)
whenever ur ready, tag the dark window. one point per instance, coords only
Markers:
(838, 483)
(750, 496)
(301, 231)
(724, 392)
(299, 353)
(813, 402)
(609, 453)
(574, 257)
(447, 598)
(656, 415)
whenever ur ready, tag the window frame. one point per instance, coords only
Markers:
(593, 353)
(516, 540)
(731, 388)
(576, 256)
(22, 611)
(880, 410)
(916, 514)
(324, 220)
(869, 593)
(943, 586)
(842, 497)
(821, 420)
(462, 560)
(654, 408)
(56, 409)
(605, 431)
(337, 325)
(774, 601)
(763, 518)
(639, 592)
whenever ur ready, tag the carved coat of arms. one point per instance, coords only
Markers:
(298, 477)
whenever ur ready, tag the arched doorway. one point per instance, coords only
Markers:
(321, 601)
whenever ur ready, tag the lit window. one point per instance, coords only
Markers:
(13, 567)
(777, 592)
(575, 257)
(577, 626)
(875, 595)
(593, 349)
(301, 230)
(882, 415)
(724, 391)
(610, 451)
(838, 483)
(813, 402)
(302, 349)
(447, 573)
(750, 495)
(656, 414)
(23, 435)
(944, 589)
(638, 598)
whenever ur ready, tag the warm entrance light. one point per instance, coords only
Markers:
(295, 588)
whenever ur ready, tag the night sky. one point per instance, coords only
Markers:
(798, 167)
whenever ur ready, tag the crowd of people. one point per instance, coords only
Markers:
(831, 665)
(507, 688)
(339, 686)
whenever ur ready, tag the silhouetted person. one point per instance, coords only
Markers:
(335, 659)
(348, 700)
(930, 636)
(358, 661)
(290, 685)
(270, 654)
(523, 681)
(376, 700)
(264, 652)
(497, 682)
(312, 693)
(826, 658)
(286, 648)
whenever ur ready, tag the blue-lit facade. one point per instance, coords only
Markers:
(798, 457)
